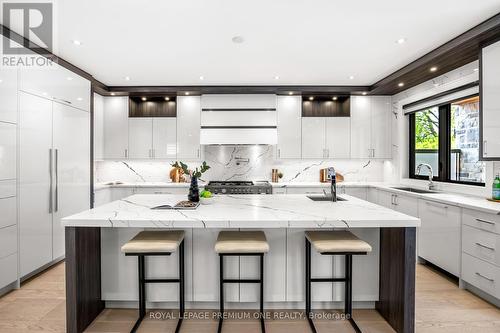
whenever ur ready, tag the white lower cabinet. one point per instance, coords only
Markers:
(481, 251)
(358, 192)
(402, 203)
(306, 190)
(8, 267)
(439, 236)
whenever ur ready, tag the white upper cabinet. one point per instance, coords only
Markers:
(7, 151)
(98, 127)
(140, 138)
(381, 129)
(325, 137)
(490, 100)
(360, 127)
(8, 94)
(188, 127)
(289, 110)
(164, 138)
(338, 138)
(57, 83)
(313, 137)
(371, 127)
(115, 127)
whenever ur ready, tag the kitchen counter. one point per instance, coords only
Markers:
(241, 211)
(454, 199)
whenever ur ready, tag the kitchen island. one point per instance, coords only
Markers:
(98, 275)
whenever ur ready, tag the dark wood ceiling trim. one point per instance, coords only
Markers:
(198, 90)
(97, 86)
(459, 51)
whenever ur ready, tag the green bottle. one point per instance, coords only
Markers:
(496, 188)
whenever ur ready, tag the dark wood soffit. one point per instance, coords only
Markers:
(459, 51)
(97, 86)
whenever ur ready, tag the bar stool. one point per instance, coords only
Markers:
(156, 243)
(334, 243)
(241, 243)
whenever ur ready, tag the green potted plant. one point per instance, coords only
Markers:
(194, 192)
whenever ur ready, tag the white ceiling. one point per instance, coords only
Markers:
(319, 42)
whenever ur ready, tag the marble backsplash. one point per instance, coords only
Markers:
(241, 163)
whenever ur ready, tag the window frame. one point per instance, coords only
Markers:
(444, 149)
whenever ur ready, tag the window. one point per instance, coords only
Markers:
(447, 138)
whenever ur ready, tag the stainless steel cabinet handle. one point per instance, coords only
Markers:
(373, 152)
(396, 200)
(328, 153)
(279, 153)
(485, 152)
(485, 277)
(198, 153)
(126, 153)
(154, 153)
(484, 246)
(484, 221)
(50, 180)
(57, 181)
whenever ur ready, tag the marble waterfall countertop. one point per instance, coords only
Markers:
(241, 211)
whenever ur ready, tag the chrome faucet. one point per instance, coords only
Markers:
(333, 187)
(431, 174)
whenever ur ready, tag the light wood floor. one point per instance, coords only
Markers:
(441, 307)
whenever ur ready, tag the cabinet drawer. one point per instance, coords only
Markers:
(7, 188)
(9, 212)
(481, 274)
(306, 190)
(162, 190)
(8, 241)
(481, 244)
(484, 221)
(8, 267)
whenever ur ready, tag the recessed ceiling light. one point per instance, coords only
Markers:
(433, 69)
(144, 99)
(351, 77)
(401, 84)
(112, 94)
(76, 42)
(186, 93)
(202, 78)
(69, 78)
(276, 77)
(334, 98)
(44, 94)
(401, 41)
(364, 93)
(167, 98)
(476, 69)
(1, 80)
(311, 98)
(127, 78)
(79, 99)
(290, 93)
(238, 39)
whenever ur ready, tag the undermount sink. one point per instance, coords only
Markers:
(324, 198)
(411, 189)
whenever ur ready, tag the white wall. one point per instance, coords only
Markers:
(450, 80)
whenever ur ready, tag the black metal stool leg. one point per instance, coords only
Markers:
(348, 292)
(142, 292)
(308, 286)
(262, 325)
(221, 291)
(181, 287)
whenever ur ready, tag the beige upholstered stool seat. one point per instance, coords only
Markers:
(154, 242)
(241, 242)
(337, 242)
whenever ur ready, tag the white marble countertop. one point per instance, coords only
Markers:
(461, 200)
(242, 211)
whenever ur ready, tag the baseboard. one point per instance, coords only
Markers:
(478, 292)
(41, 269)
(8, 288)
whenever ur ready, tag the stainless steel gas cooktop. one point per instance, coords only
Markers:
(239, 187)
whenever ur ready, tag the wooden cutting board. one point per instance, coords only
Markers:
(493, 200)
